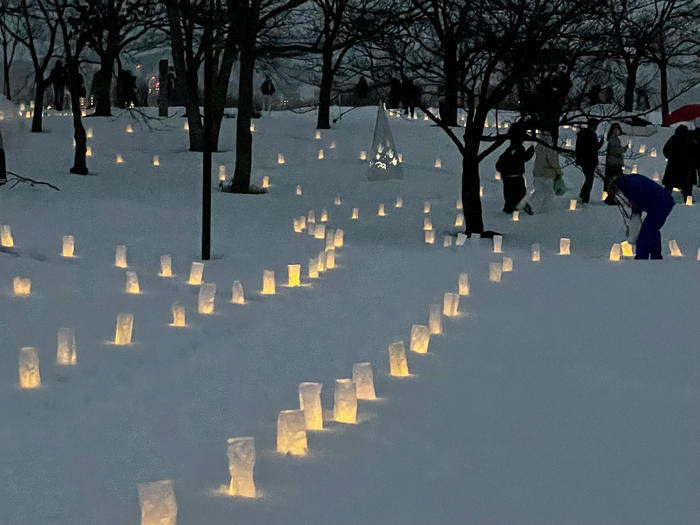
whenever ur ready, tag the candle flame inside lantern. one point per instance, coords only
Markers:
(178, 311)
(22, 286)
(166, 266)
(88, 152)
(280, 158)
(252, 127)
(320, 231)
(317, 136)
(447, 241)
(310, 403)
(398, 366)
(652, 153)
(268, 282)
(158, 505)
(380, 211)
(120, 159)
(507, 264)
(626, 249)
(615, 252)
(568, 143)
(156, 160)
(642, 149)
(496, 176)
(294, 274)
(237, 296)
(430, 236)
(495, 271)
(564, 246)
(339, 238)
(656, 177)
(241, 463)
(674, 249)
(320, 155)
(459, 205)
(364, 381)
(634, 168)
(313, 268)
(345, 401)
(206, 298)
(196, 272)
(65, 347)
(689, 200)
(363, 155)
(438, 163)
(298, 190)
(463, 284)
(332, 145)
(459, 220)
(481, 191)
(400, 156)
(572, 205)
(399, 203)
(29, 376)
(355, 214)
(435, 319)
(330, 259)
(420, 338)
(265, 182)
(125, 326)
(129, 129)
(516, 216)
(67, 246)
(427, 224)
(186, 127)
(324, 215)
(291, 432)
(89, 133)
(132, 283)
(426, 207)
(337, 201)
(6, 239)
(450, 304)
(535, 253)
(120, 256)
(604, 195)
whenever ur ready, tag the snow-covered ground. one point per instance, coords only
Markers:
(569, 393)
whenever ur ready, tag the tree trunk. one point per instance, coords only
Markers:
(244, 138)
(324, 98)
(451, 88)
(103, 86)
(221, 91)
(6, 64)
(663, 91)
(630, 85)
(471, 184)
(79, 163)
(38, 106)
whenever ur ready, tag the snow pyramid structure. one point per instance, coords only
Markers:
(382, 158)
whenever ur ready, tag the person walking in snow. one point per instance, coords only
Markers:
(680, 171)
(394, 93)
(268, 89)
(587, 146)
(511, 165)
(614, 159)
(545, 171)
(637, 194)
(57, 77)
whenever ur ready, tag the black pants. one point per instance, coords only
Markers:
(58, 96)
(513, 192)
(610, 172)
(589, 174)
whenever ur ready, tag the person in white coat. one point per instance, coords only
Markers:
(545, 170)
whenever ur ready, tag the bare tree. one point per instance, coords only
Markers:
(9, 45)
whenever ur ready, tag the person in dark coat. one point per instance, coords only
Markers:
(638, 194)
(268, 89)
(680, 171)
(410, 97)
(394, 93)
(57, 77)
(511, 165)
(587, 146)
(696, 154)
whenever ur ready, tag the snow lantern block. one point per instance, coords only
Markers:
(438, 164)
(642, 149)
(430, 236)
(337, 201)
(311, 229)
(311, 217)
(125, 327)
(158, 505)
(237, 296)
(674, 249)
(420, 338)
(459, 220)
(364, 381)
(564, 246)
(222, 172)
(626, 248)
(293, 274)
(166, 266)
(206, 297)
(615, 252)
(435, 319)
(132, 283)
(67, 246)
(495, 271)
(120, 256)
(380, 211)
(317, 135)
(515, 217)
(299, 192)
(463, 284)
(268, 287)
(65, 347)
(265, 182)
(652, 153)
(22, 286)
(507, 264)
(178, 311)
(461, 239)
(604, 195)
(241, 463)
(345, 401)
(330, 259)
(29, 376)
(450, 304)
(656, 177)
(698, 256)
(497, 244)
(363, 155)
(320, 155)
(568, 143)
(635, 168)
(291, 432)
(89, 134)
(129, 129)
(355, 214)
(330, 238)
(572, 205)
(88, 151)
(399, 202)
(383, 163)
(310, 403)
(196, 273)
(481, 191)
(280, 158)
(447, 241)
(535, 253)
(459, 205)
(398, 366)
(321, 261)
(156, 160)
(6, 239)
(689, 200)
(339, 238)
(320, 231)
(313, 268)
(252, 127)
(496, 176)
(186, 127)
(427, 224)
(426, 207)
(332, 145)
(425, 117)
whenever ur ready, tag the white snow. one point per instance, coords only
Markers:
(568, 393)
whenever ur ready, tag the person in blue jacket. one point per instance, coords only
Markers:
(640, 194)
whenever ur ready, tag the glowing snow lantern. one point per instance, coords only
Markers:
(311, 216)
(339, 238)
(463, 284)
(178, 311)
(158, 505)
(296, 224)
(120, 159)
(298, 190)
(495, 271)
(572, 205)
(496, 176)
(317, 136)
(615, 252)
(129, 129)
(132, 283)
(427, 224)
(293, 274)
(461, 239)
(674, 249)
(166, 266)
(125, 327)
(265, 182)
(420, 338)
(634, 168)
(320, 231)
(29, 376)
(291, 432)
(196, 272)
(568, 143)
(626, 248)
(237, 296)
(698, 257)
(398, 366)
(67, 246)
(535, 252)
(22, 286)
(337, 201)
(564, 246)
(689, 200)
(6, 239)
(120, 256)
(450, 304)
(89, 133)
(497, 244)
(642, 149)
(310, 403)
(330, 259)
(252, 127)
(459, 220)
(652, 153)
(355, 214)
(186, 127)
(364, 380)
(332, 145)
(156, 160)
(426, 207)
(656, 177)
(459, 205)
(241, 462)
(481, 191)
(83, 113)
(363, 155)
(313, 268)
(206, 297)
(311, 229)
(268, 282)
(399, 203)
(447, 241)
(88, 151)
(65, 347)
(438, 164)
(380, 211)
(222, 173)
(400, 157)
(324, 215)
(28, 114)
(280, 158)
(430, 236)
(320, 155)
(507, 264)
(435, 319)
(604, 195)
(516, 216)
(425, 117)
(345, 401)
(330, 239)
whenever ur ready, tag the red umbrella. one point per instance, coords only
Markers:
(684, 114)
